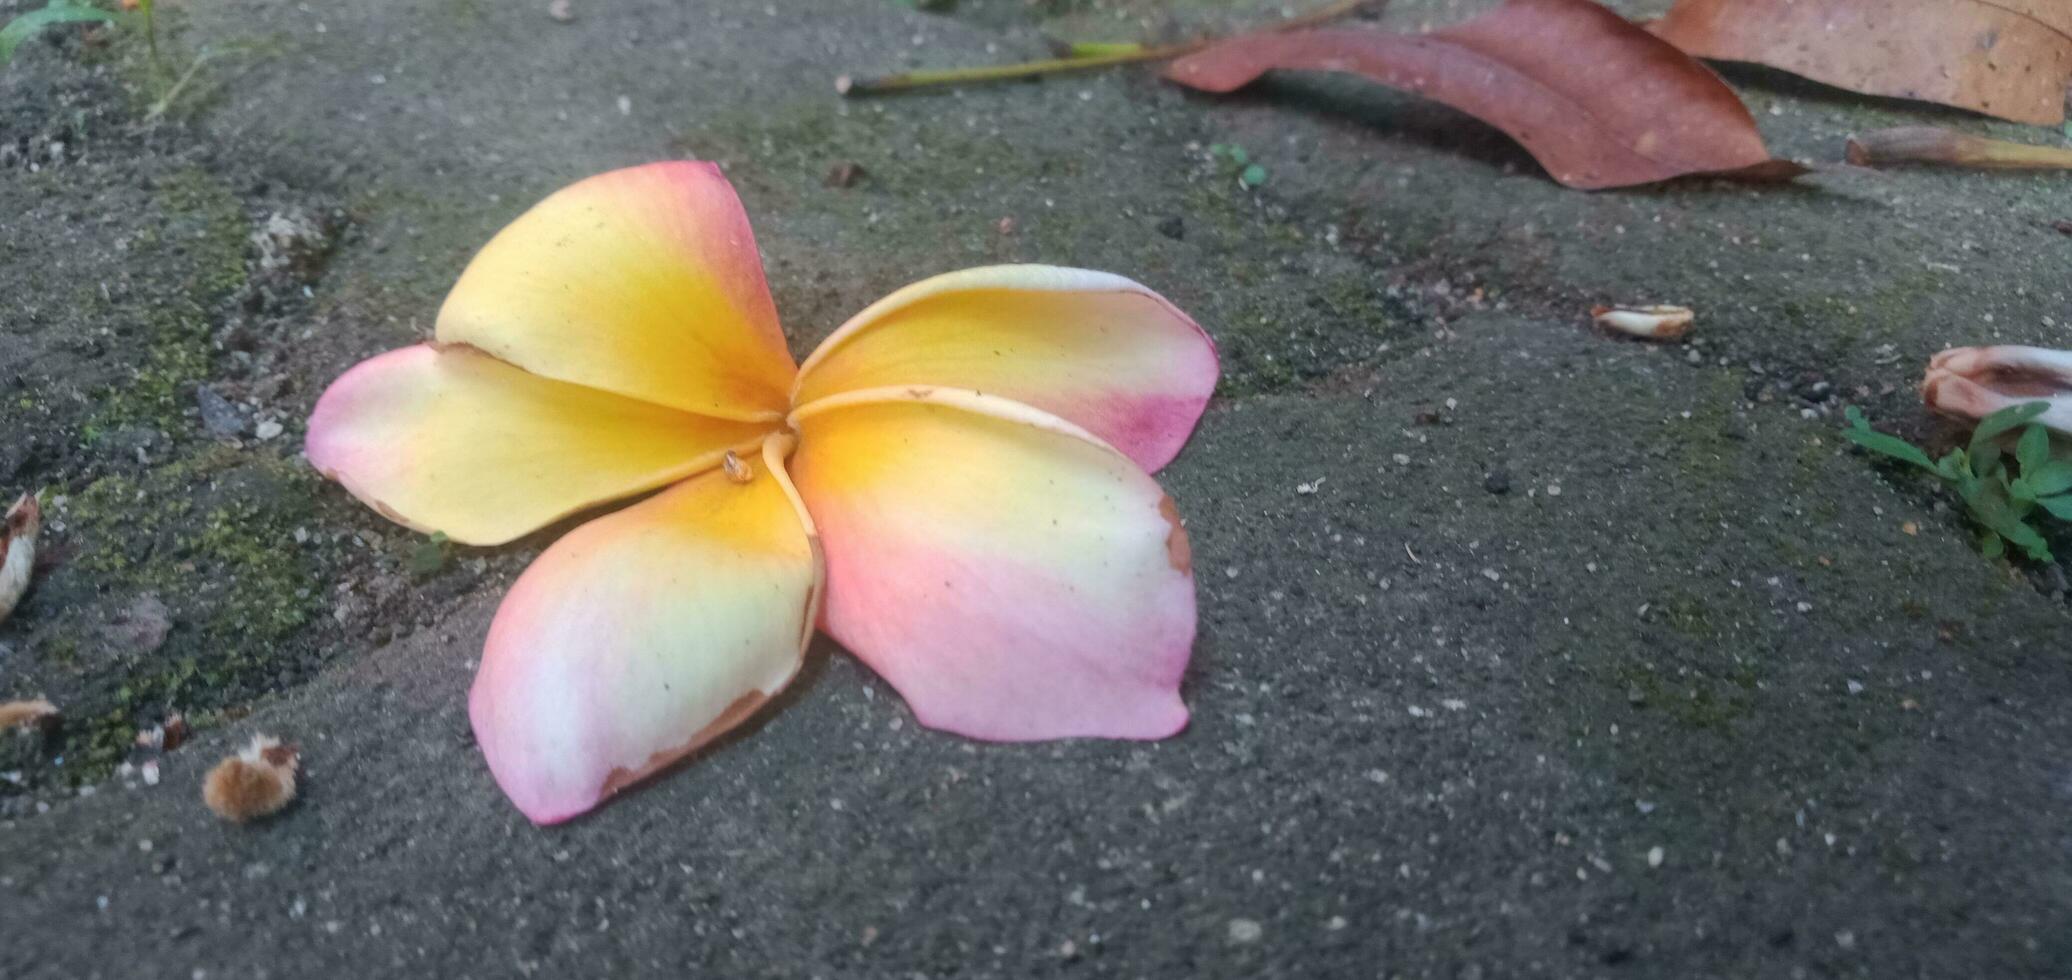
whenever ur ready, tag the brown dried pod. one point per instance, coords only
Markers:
(1645, 322)
(18, 533)
(21, 714)
(256, 782)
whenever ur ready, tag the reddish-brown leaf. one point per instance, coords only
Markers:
(2006, 58)
(1597, 101)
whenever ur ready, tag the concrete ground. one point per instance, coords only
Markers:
(1578, 657)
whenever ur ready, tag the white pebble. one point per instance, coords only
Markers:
(1655, 856)
(1245, 931)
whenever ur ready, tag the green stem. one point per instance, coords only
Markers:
(151, 36)
(908, 81)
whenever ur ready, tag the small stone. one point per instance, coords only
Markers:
(218, 415)
(1492, 575)
(1497, 481)
(1553, 489)
(1845, 939)
(1245, 931)
(1655, 856)
(1172, 227)
(1335, 923)
(843, 174)
(139, 627)
(267, 430)
(1855, 687)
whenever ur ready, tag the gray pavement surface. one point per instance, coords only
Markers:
(1526, 652)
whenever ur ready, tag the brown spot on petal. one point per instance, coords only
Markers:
(920, 394)
(381, 507)
(1178, 551)
(735, 713)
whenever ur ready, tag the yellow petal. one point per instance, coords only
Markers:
(453, 440)
(645, 282)
(641, 636)
(1095, 349)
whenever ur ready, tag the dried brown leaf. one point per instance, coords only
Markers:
(1597, 101)
(2006, 58)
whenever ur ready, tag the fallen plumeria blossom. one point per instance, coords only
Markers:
(18, 532)
(1645, 322)
(22, 714)
(256, 782)
(1973, 382)
(960, 473)
(1934, 145)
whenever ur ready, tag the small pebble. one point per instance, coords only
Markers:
(1497, 481)
(266, 430)
(1245, 931)
(218, 415)
(1655, 856)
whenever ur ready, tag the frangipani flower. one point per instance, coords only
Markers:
(954, 486)
(1971, 383)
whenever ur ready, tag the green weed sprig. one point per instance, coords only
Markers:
(2003, 502)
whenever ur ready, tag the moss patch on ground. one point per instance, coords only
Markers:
(213, 537)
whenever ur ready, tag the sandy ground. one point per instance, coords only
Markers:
(1580, 657)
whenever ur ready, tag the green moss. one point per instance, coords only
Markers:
(212, 536)
(1687, 614)
(198, 246)
(1697, 701)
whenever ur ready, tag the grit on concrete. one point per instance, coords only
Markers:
(1525, 651)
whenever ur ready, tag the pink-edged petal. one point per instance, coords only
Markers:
(640, 637)
(1012, 576)
(1093, 348)
(643, 281)
(453, 440)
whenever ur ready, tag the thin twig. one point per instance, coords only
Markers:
(1928, 144)
(158, 109)
(908, 81)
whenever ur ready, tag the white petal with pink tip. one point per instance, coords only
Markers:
(1012, 576)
